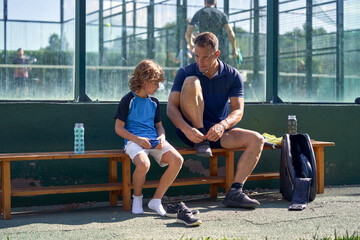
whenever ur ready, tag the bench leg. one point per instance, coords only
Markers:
(6, 190)
(320, 168)
(126, 183)
(113, 179)
(229, 170)
(213, 172)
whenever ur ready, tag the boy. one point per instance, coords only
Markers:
(138, 121)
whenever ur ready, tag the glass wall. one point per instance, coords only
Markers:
(318, 47)
(37, 51)
(317, 51)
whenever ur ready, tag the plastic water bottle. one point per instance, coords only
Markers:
(79, 143)
(292, 124)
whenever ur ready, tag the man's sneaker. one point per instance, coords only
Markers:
(236, 198)
(203, 149)
(172, 209)
(185, 216)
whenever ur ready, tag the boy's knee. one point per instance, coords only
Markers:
(143, 166)
(177, 161)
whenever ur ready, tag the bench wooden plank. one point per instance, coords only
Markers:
(188, 181)
(35, 191)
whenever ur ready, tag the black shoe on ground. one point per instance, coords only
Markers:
(236, 198)
(185, 216)
(172, 209)
(203, 149)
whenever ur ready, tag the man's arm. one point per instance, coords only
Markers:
(172, 58)
(237, 111)
(122, 132)
(188, 37)
(232, 39)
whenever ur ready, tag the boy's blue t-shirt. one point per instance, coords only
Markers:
(216, 91)
(139, 115)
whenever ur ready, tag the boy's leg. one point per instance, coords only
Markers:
(142, 164)
(174, 161)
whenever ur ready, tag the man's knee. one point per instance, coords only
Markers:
(258, 141)
(191, 83)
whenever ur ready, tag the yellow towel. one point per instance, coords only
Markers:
(272, 138)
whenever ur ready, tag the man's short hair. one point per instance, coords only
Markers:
(146, 71)
(210, 2)
(207, 39)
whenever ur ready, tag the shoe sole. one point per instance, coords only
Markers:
(197, 223)
(204, 155)
(174, 215)
(171, 215)
(230, 203)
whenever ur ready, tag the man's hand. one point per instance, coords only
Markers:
(143, 142)
(235, 54)
(194, 135)
(215, 132)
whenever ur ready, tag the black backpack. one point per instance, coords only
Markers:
(297, 165)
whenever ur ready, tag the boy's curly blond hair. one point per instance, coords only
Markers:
(146, 71)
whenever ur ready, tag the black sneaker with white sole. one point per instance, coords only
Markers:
(185, 216)
(172, 209)
(236, 198)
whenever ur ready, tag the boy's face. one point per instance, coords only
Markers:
(151, 87)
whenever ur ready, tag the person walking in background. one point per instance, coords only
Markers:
(210, 19)
(138, 121)
(180, 57)
(21, 74)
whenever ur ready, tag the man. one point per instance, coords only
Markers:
(210, 19)
(198, 107)
(21, 74)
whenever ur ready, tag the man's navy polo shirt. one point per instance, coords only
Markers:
(216, 91)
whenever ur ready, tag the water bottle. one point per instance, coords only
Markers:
(79, 143)
(292, 124)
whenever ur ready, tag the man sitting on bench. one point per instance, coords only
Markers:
(198, 107)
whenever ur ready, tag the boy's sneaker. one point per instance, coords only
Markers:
(185, 216)
(203, 149)
(172, 209)
(236, 198)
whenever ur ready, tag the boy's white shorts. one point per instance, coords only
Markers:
(132, 149)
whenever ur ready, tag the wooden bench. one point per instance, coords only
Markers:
(124, 188)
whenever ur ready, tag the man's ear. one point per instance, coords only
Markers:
(217, 53)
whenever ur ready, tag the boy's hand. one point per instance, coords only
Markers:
(143, 142)
(161, 138)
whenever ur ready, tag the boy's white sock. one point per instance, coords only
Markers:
(155, 204)
(137, 207)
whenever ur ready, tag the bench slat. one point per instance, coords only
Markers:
(264, 176)
(189, 181)
(65, 189)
